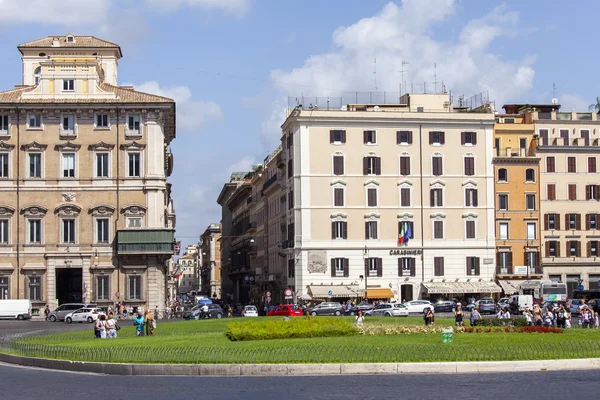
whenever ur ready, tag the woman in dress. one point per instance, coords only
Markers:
(101, 326)
(111, 327)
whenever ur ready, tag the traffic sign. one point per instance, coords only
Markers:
(580, 288)
(330, 293)
(117, 295)
(288, 293)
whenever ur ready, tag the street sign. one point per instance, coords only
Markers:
(268, 294)
(288, 293)
(117, 295)
(580, 288)
(330, 293)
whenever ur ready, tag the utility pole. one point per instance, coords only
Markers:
(401, 85)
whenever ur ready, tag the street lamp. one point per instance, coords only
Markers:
(366, 268)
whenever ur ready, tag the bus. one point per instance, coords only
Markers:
(553, 291)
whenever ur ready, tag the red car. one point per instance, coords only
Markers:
(286, 310)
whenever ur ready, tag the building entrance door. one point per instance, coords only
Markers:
(69, 284)
(406, 292)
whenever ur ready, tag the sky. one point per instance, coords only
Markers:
(231, 64)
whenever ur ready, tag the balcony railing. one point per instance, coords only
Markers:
(518, 270)
(145, 241)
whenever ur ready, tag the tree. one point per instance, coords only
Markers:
(596, 106)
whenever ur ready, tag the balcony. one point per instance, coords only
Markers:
(518, 270)
(145, 241)
(69, 133)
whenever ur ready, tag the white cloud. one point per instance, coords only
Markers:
(572, 102)
(237, 8)
(403, 32)
(271, 126)
(243, 165)
(59, 12)
(191, 114)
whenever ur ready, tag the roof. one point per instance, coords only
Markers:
(80, 42)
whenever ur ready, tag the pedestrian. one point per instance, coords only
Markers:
(458, 315)
(156, 312)
(428, 317)
(359, 318)
(139, 323)
(124, 312)
(537, 315)
(150, 324)
(505, 314)
(548, 317)
(475, 316)
(101, 327)
(528, 317)
(204, 313)
(46, 312)
(567, 318)
(561, 317)
(586, 317)
(229, 312)
(111, 327)
(596, 320)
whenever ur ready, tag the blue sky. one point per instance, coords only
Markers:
(231, 64)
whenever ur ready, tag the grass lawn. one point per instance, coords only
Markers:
(205, 342)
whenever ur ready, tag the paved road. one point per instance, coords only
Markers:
(17, 383)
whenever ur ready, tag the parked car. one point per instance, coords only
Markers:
(327, 308)
(61, 312)
(389, 310)
(193, 313)
(574, 305)
(250, 311)
(444, 306)
(286, 310)
(418, 306)
(503, 302)
(365, 307)
(486, 306)
(470, 307)
(214, 311)
(84, 315)
(594, 304)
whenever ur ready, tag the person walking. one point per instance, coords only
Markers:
(46, 312)
(205, 311)
(111, 327)
(139, 323)
(101, 327)
(537, 315)
(475, 316)
(458, 315)
(561, 317)
(150, 324)
(359, 318)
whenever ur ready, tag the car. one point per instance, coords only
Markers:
(286, 310)
(444, 306)
(389, 310)
(470, 307)
(364, 307)
(574, 305)
(61, 312)
(486, 306)
(327, 308)
(503, 302)
(86, 314)
(594, 304)
(250, 311)
(418, 306)
(552, 304)
(193, 313)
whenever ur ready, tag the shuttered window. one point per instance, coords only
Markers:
(404, 165)
(551, 191)
(437, 168)
(338, 165)
(469, 166)
(550, 164)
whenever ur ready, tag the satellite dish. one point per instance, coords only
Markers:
(344, 108)
(555, 101)
(376, 108)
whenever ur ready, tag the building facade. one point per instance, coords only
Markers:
(186, 271)
(210, 267)
(86, 213)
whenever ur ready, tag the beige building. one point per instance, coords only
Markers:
(186, 271)
(85, 208)
(210, 267)
(569, 149)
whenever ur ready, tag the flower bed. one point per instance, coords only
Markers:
(386, 329)
(293, 328)
(520, 329)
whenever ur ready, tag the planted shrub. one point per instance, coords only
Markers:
(501, 322)
(292, 329)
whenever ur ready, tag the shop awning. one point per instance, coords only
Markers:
(333, 291)
(510, 286)
(461, 287)
(380, 294)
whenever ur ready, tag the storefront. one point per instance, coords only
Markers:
(460, 290)
(339, 293)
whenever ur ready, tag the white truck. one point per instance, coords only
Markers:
(520, 302)
(15, 309)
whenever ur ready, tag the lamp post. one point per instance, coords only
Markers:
(366, 272)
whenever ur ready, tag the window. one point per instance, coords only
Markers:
(406, 228)
(404, 197)
(404, 165)
(134, 222)
(552, 222)
(338, 197)
(531, 260)
(503, 230)
(68, 123)
(337, 136)
(550, 164)
(338, 165)
(371, 197)
(406, 266)
(470, 197)
(102, 287)
(529, 175)
(102, 230)
(35, 121)
(552, 248)
(133, 123)
(591, 222)
(4, 288)
(573, 248)
(498, 146)
(531, 231)
(504, 259)
(502, 175)
(436, 198)
(68, 231)
(134, 165)
(438, 266)
(68, 85)
(571, 164)
(4, 127)
(503, 202)
(339, 267)
(339, 230)
(592, 165)
(374, 266)
(68, 165)
(101, 120)
(35, 288)
(102, 165)
(34, 231)
(371, 230)
(135, 287)
(591, 192)
(290, 168)
(530, 201)
(470, 229)
(372, 165)
(551, 191)
(404, 137)
(436, 138)
(573, 221)
(35, 165)
(3, 165)
(438, 229)
(523, 143)
(468, 138)
(3, 231)
(592, 249)
(37, 75)
(437, 166)
(473, 266)
(572, 190)
(469, 166)
(70, 39)
(370, 137)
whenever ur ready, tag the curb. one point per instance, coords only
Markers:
(304, 369)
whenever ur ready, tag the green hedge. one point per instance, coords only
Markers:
(501, 322)
(289, 329)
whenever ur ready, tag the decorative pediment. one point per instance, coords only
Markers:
(371, 154)
(6, 146)
(339, 216)
(372, 216)
(371, 182)
(437, 184)
(469, 183)
(405, 216)
(437, 215)
(469, 215)
(101, 146)
(134, 209)
(338, 182)
(133, 146)
(67, 209)
(101, 209)
(34, 146)
(405, 182)
(6, 210)
(68, 146)
(34, 210)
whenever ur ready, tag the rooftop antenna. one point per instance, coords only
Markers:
(375, 71)
(435, 77)
(401, 85)
(553, 89)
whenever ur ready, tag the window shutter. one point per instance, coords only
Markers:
(331, 137)
(365, 165)
(398, 133)
(333, 230)
(333, 267)
(557, 249)
(468, 266)
(409, 137)
(412, 267)
(545, 222)
(475, 197)
(587, 222)
(431, 198)
(412, 229)
(578, 249)
(346, 267)
(498, 259)
(474, 138)
(343, 136)
(578, 222)
(547, 249)
(476, 265)
(399, 228)
(567, 226)
(587, 192)
(597, 193)
(557, 219)
(365, 137)
(589, 250)
(379, 267)
(510, 259)
(345, 230)
(378, 166)
(399, 267)
(442, 138)
(430, 137)
(463, 138)
(366, 230)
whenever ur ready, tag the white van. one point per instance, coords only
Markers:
(520, 302)
(15, 309)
